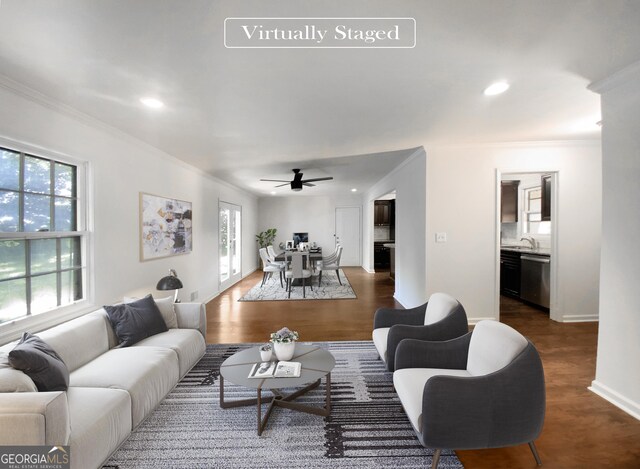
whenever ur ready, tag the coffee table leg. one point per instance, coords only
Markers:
(328, 395)
(259, 409)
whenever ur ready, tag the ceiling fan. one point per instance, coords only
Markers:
(298, 182)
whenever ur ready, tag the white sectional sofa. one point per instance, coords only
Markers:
(111, 390)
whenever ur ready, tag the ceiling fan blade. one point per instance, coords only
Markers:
(274, 180)
(285, 184)
(317, 179)
(307, 184)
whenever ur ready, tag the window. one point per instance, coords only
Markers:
(41, 261)
(532, 213)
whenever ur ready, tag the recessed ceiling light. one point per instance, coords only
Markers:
(496, 88)
(273, 192)
(354, 190)
(152, 103)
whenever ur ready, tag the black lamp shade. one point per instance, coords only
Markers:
(169, 283)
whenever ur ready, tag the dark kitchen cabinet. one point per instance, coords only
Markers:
(381, 256)
(381, 213)
(546, 197)
(509, 201)
(510, 273)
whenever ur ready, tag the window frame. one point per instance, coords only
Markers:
(12, 328)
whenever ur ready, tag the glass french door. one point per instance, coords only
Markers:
(230, 248)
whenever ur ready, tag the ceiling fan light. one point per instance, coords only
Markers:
(296, 189)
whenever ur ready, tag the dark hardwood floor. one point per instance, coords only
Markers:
(581, 429)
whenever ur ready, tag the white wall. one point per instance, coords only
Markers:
(462, 200)
(308, 214)
(120, 168)
(408, 180)
(617, 370)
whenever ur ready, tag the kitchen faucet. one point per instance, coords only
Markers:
(530, 240)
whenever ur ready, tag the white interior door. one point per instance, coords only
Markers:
(230, 249)
(348, 234)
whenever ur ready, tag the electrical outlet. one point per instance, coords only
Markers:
(194, 295)
(441, 237)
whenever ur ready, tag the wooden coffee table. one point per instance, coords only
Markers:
(316, 362)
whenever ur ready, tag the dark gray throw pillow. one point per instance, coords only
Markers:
(135, 321)
(41, 363)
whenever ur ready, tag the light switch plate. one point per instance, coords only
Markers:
(441, 237)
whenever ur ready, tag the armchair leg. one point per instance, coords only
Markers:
(436, 459)
(319, 278)
(264, 277)
(281, 279)
(304, 286)
(289, 282)
(338, 274)
(534, 450)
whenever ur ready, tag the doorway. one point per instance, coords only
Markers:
(348, 235)
(230, 239)
(527, 218)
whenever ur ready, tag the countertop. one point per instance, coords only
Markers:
(527, 250)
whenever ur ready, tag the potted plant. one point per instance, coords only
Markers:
(265, 352)
(284, 343)
(266, 237)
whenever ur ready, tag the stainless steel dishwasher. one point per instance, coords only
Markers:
(534, 279)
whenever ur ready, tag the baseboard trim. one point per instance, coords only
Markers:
(474, 321)
(615, 398)
(371, 271)
(216, 294)
(581, 318)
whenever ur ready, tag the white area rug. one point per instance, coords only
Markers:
(330, 289)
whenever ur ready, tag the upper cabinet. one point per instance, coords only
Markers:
(382, 213)
(546, 197)
(509, 201)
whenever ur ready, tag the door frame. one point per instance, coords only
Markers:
(233, 279)
(555, 312)
(335, 229)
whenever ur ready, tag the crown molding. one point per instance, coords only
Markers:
(621, 77)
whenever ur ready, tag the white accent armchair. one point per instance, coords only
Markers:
(482, 390)
(441, 318)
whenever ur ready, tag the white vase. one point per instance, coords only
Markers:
(284, 351)
(265, 355)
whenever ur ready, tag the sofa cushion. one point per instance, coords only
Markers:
(439, 307)
(166, 307)
(41, 363)
(380, 336)
(493, 346)
(12, 380)
(409, 384)
(80, 340)
(135, 321)
(100, 421)
(188, 344)
(147, 373)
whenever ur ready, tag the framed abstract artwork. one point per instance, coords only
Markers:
(165, 227)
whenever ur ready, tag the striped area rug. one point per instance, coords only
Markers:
(367, 427)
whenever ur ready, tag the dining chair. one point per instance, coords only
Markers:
(268, 267)
(271, 252)
(333, 263)
(297, 260)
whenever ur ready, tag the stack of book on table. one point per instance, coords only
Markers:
(276, 370)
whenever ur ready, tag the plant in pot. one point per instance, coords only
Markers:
(284, 343)
(266, 237)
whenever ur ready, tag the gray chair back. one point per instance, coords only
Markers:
(296, 261)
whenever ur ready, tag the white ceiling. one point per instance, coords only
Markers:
(246, 114)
